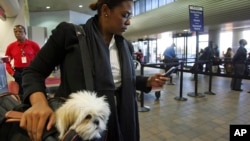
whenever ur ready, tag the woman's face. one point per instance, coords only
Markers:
(119, 17)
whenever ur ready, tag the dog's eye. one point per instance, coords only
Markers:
(88, 117)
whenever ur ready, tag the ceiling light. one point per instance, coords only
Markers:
(47, 7)
(80, 6)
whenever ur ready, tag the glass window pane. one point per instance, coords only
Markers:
(142, 6)
(148, 5)
(136, 8)
(155, 4)
(225, 36)
(246, 35)
(169, 1)
(203, 38)
(161, 2)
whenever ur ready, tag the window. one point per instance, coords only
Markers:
(155, 4)
(246, 35)
(225, 41)
(169, 1)
(148, 5)
(142, 6)
(161, 2)
(136, 8)
(203, 41)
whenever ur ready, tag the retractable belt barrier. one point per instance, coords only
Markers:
(180, 68)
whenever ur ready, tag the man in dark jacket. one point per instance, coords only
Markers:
(239, 65)
(206, 57)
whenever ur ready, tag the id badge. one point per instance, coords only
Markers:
(24, 59)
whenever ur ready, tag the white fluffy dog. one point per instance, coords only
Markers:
(85, 113)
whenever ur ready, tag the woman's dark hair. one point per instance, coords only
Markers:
(111, 4)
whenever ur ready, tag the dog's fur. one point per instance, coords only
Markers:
(85, 113)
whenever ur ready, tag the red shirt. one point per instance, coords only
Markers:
(21, 53)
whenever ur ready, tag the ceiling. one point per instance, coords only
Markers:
(59, 5)
(218, 14)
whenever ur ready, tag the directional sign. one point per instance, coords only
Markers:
(196, 18)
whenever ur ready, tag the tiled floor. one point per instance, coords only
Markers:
(199, 118)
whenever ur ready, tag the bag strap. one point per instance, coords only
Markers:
(86, 57)
(71, 135)
(14, 96)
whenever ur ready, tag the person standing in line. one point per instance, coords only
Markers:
(201, 52)
(22, 52)
(216, 60)
(207, 56)
(239, 65)
(169, 52)
(139, 56)
(113, 67)
(170, 57)
(228, 60)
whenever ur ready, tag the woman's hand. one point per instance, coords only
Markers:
(37, 117)
(157, 80)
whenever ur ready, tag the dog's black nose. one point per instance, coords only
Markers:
(96, 122)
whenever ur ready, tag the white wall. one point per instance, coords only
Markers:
(6, 36)
(48, 20)
(38, 34)
(78, 18)
(51, 19)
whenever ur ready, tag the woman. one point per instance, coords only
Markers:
(139, 56)
(114, 73)
(228, 61)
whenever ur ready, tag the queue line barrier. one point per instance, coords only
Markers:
(181, 69)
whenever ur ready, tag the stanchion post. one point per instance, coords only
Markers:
(196, 94)
(210, 79)
(143, 108)
(180, 98)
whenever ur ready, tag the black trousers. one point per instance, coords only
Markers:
(239, 70)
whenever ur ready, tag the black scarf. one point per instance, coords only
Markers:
(123, 122)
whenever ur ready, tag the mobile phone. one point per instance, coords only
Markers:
(169, 72)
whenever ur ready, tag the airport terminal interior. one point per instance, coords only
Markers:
(191, 106)
(177, 116)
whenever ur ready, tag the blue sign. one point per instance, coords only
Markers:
(196, 18)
